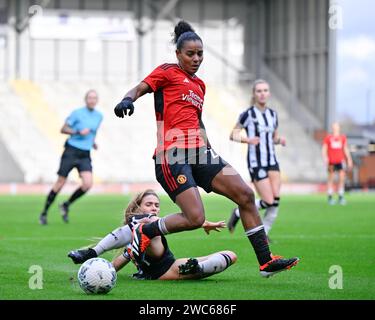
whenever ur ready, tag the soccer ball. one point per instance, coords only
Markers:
(97, 275)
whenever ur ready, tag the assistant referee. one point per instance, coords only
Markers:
(82, 125)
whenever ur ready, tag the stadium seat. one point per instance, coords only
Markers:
(35, 113)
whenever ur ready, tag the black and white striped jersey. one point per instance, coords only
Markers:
(132, 222)
(134, 219)
(262, 125)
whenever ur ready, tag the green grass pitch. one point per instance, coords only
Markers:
(321, 235)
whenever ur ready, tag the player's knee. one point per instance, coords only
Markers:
(232, 256)
(57, 187)
(246, 197)
(197, 221)
(59, 184)
(86, 186)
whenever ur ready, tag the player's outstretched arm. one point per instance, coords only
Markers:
(216, 226)
(120, 262)
(126, 104)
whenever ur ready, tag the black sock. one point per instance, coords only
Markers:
(50, 198)
(78, 193)
(258, 239)
(276, 201)
(264, 205)
(151, 229)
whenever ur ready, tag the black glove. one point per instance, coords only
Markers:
(123, 107)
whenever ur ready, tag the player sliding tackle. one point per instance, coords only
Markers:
(159, 261)
(181, 137)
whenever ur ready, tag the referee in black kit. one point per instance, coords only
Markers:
(82, 126)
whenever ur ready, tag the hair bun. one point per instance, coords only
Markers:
(181, 28)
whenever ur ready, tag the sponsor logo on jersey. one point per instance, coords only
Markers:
(186, 80)
(266, 129)
(194, 99)
(181, 179)
(336, 144)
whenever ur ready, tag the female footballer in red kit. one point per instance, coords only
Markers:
(184, 158)
(337, 158)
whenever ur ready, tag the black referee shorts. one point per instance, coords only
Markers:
(74, 158)
(180, 169)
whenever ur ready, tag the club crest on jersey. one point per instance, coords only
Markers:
(181, 179)
(262, 173)
(186, 80)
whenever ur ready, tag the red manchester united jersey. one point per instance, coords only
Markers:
(178, 98)
(335, 148)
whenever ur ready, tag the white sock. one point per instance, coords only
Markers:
(250, 232)
(330, 191)
(118, 238)
(269, 218)
(341, 192)
(215, 263)
(257, 203)
(162, 227)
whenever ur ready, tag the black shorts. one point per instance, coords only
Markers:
(158, 267)
(74, 158)
(260, 173)
(153, 268)
(335, 167)
(180, 169)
